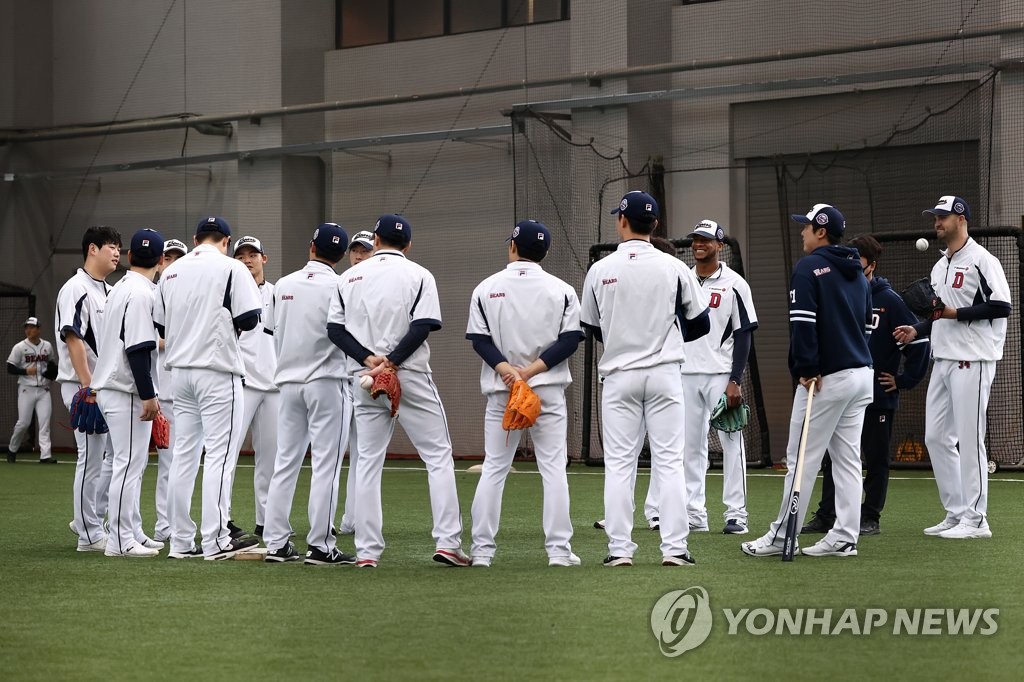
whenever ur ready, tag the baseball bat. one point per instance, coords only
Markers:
(789, 546)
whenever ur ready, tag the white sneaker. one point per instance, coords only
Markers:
(71, 527)
(98, 546)
(825, 548)
(763, 546)
(134, 552)
(451, 557)
(599, 524)
(697, 528)
(481, 561)
(938, 528)
(150, 543)
(571, 560)
(967, 530)
(654, 523)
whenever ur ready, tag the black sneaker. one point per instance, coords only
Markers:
(258, 531)
(317, 557)
(286, 553)
(234, 530)
(683, 559)
(817, 525)
(234, 547)
(195, 553)
(618, 561)
(870, 528)
(48, 460)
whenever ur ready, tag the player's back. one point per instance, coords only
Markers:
(112, 370)
(301, 303)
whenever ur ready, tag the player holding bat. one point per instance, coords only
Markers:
(830, 319)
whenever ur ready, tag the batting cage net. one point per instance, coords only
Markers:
(733, 110)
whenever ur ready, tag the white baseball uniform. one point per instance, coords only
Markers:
(262, 400)
(129, 327)
(523, 310)
(80, 305)
(201, 297)
(164, 456)
(350, 384)
(33, 393)
(965, 355)
(377, 301)
(312, 405)
(639, 298)
(706, 375)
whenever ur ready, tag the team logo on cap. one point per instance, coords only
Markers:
(398, 226)
(624, 204)
(336, 240)
(958, 207)
(648, 207)
(720, 234)
(540, 236)
(316, 233)
(211, 219)
(515, 232)
(145, 242)
(822, 219)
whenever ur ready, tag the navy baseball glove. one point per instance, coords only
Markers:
(729, 420)
(85, 413)
(921, 298)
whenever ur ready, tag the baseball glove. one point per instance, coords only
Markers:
(51, 370)
(921, 298)
(729, 420)
(522, 409)
(386, 383)
(161, 432)
(85, 413)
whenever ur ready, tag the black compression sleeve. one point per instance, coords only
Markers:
(485, 348)
(14, 369)
(412, 340)
(562, 348)
(344, 340)
(987, 310)
(740, 353)
(141, 363)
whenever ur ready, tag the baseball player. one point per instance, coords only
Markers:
(716, 363)
(313, 408)
(524, 324)
(173, 250)
(79, 318)
(262, 400)
(359, 250)
(383, 311)
(126, 393)
(642, 304)
(830, 319)
(28, 361)
(205, 299)
(888, 312)
(967, 341)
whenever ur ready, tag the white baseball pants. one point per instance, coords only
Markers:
(837, 417)
(348, 518)
(310, 415)
(550, 449)
(261, 414)
(634, 401)
(164, 457)
(956, 409)
(423, 419)
(90, 474)
(33, 399)
(129, 441)
(701, 393)
(208, 413)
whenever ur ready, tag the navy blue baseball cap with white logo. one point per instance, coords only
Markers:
(213, 224)
(531, 235)
(331, 239)
(949, 204)
(823, 215)
(394, 229)
(639, 206)
(147, 248)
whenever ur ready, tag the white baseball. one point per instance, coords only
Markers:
(366, 383)
(922, 244)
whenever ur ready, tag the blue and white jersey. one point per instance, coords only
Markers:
(731, 310)
(830, 313)
(80, 304)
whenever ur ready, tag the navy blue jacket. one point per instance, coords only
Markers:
(829, 313)
(890, 312)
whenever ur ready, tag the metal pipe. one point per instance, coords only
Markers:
(588, 77)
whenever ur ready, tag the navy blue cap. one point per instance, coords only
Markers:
(331, 239)
(394, 229)
(147, 248)
(823, 215)
(950, 204)
(531, 235)
(639, 206)
(213, 224)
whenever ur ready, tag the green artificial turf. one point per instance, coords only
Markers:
(69, 616)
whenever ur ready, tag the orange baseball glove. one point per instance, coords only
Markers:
(522, 409)
(161, 432)
(387, 383)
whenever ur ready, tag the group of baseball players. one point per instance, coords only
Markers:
(202, 340)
